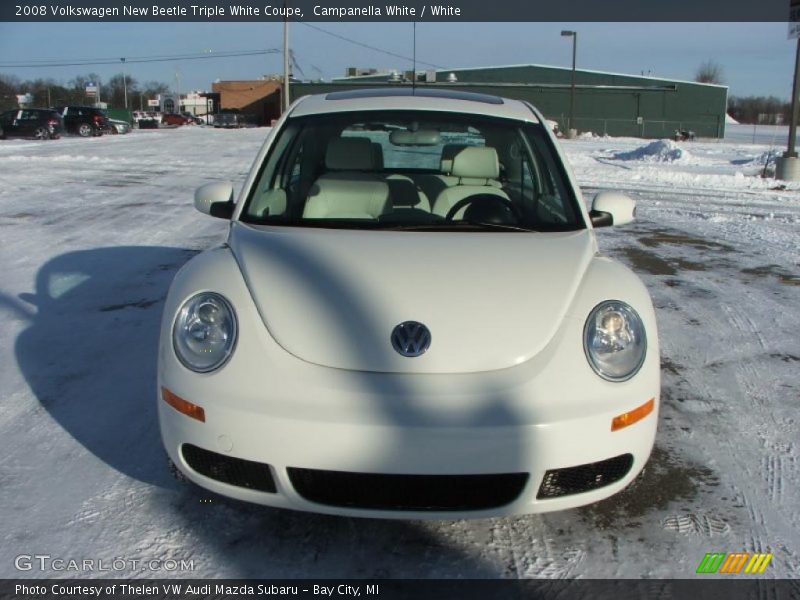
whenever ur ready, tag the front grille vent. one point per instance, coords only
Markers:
(227, 469)
(584, 478)
(407, 492)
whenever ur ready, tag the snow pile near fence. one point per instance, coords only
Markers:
(765, 158)
(657, 151)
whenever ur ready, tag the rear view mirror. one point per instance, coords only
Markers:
(215, 199)
(612, 208)
(422, 137)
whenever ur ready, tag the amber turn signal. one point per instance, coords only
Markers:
(183, 406)
(630, 417)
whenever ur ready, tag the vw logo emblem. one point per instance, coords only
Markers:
(411, 338)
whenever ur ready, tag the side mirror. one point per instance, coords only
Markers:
(612, 208)
(215, 199)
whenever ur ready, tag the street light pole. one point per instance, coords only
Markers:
(124, 83)
(571, 121)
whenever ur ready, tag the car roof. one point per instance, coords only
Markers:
(407, 98)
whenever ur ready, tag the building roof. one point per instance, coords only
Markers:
(537, 66)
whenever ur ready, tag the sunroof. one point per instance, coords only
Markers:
(424, 92)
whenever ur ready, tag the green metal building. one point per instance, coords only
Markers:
(605, 103)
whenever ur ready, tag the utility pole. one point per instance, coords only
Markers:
(286, 58)
(790, 151)
(414, 59)
(178, 90)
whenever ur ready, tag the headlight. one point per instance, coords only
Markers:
(614, 341)
(204, 332)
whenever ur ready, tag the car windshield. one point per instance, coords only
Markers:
(413, 170)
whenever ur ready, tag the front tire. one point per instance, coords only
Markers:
(84, 130)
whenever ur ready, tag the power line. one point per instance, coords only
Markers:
(363, 45)
(116, 61)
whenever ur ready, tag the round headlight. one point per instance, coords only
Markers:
(614, 341)
(204, 332)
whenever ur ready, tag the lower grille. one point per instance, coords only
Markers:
(584, 478)
(227, 469)
(407, 492)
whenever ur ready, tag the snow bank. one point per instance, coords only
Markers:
(765, 158)
(729, 120)
(658, 151)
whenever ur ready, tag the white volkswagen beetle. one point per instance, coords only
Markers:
(409, 319)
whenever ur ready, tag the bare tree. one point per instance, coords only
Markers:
(115, 94)
(709, 72)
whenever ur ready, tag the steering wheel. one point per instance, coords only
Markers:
(493, 209)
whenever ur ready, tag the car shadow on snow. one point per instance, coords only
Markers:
(89, 353)
(89, 356)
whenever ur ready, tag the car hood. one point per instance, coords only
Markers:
(333, 297)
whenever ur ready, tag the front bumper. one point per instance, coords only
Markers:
(284, 445)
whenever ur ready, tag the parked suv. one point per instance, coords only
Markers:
(42, 124)
(84, 120)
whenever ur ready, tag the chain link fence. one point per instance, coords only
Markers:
(641, 127)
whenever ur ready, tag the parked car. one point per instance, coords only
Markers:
(118, 126)
(176, 119)
(410, 318)
(39, 123)
(193, 118)
(228, 120)
(84, 120)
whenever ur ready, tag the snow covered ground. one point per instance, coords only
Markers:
(93, 231)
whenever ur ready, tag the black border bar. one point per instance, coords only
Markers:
(730, 588)
(630, 11)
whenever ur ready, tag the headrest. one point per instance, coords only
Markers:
(448, 152)
(477, 162)
(350, 154)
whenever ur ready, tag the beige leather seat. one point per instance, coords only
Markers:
(351, 189)
(432, 185)
(403, 192)
(476, 170)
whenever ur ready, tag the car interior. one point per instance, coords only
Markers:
(369, 170)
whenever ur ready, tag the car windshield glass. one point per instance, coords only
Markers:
(413, 170)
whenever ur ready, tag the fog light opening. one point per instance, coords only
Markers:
(631, 417)
(183, 406)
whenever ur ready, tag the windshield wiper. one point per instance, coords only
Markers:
(500, 226)
(453, 226)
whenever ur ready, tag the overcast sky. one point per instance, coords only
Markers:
(757, 58)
